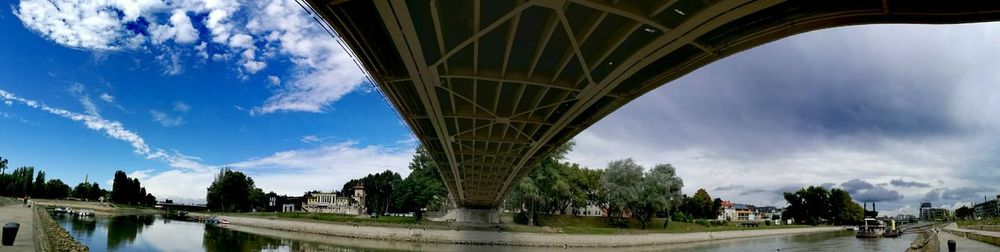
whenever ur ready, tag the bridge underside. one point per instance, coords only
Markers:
(491, 86)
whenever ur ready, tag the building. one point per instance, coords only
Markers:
(282, 203)
(929, 213)
(331, 202)
(988, 208)
(745, 212)
(726, 211)
(589, 210)
(769, 213)
(905, 218)
(925, 209)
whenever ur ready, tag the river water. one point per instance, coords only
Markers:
(153, 233)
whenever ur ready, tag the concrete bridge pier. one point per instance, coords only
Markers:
(474, 215)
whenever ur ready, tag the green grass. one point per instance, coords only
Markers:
(341, 218)
(600, 225)
(986, 221)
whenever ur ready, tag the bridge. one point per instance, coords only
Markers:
(492, 86)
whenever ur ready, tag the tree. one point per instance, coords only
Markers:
(660, 190)
(421, 188)
(57, 189)
(230, 191)
(701, 205)
(808, 205)
(81, 191)
(95, 192)
(38, 187)
(378, 190)
(622, 180)
(20, 181)
(964, 213)
(124, 190)
(843, 209)
(3, 169)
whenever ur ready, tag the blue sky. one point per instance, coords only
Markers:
(169, 92)
(195, 106)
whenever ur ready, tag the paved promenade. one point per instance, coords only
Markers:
(966, 244)
(21, 215)
(506, 238)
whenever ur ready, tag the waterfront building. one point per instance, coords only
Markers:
(331, 202)
(929, 213)
(745, 212)
(769, 213)
(988, 208)
(726, 211)
(925, 210)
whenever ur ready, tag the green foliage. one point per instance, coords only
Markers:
(642, 195)
(19, 182)
(554, 187)
(231, 192)
(38, 187)
(423, 188)
(124, 190)
(813, 205)
(964, 213)
(56, 189)
(379, 188)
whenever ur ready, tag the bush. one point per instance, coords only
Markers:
(767, 222)
(703, 223)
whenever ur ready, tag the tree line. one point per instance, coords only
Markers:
(625, 190)
(815, 205)
(386, 192)
(25, 182)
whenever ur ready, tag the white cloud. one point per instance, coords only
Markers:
(107, 98)
(325, 167)
(321, 74)
(311, 139)
(182, 107)
(180, 29)
(165, 119)
(85, 24)
(274, 80)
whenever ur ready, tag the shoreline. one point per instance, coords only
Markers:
(494, 238)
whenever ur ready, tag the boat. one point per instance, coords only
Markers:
(873, 228)
(85, 212)
(892, 232)
(59, 210)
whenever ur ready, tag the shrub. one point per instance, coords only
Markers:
(767, 222)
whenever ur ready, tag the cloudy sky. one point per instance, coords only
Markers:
(169, 92)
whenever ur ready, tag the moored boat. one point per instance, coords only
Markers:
(872, 228)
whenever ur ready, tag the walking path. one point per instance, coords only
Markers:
(22, 215)
(966, 244)
(506, 238)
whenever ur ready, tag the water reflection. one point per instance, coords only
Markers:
(152, 233)
(124, 229)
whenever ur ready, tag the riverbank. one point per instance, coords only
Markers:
(99, 207)
(49, 236)
(479, 237)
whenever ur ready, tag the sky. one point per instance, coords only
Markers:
(170, 92)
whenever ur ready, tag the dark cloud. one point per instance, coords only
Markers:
(948, 195)
(752, 191)
(904, 183)
(728, 187)
(863, 191)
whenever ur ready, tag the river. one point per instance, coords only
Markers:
(153, 233)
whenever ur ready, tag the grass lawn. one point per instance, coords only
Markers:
(599, 225)
(985, 221)
(343, 218)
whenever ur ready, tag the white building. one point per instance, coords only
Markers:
(322, 202)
